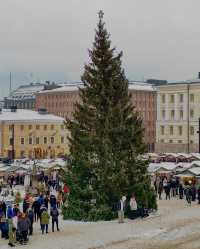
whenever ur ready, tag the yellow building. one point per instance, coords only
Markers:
(178, 112)
(30, 134)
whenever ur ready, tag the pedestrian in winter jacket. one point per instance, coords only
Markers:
(10, 212)
(53, 201)
(44, 221)
(30, 215)
(23, 227)
(54, 214)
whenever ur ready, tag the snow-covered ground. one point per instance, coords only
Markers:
(175, 225)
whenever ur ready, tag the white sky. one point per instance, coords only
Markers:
(48, 39)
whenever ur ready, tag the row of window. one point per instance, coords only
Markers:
(172, 114)
(172, 130)
(37, 127)
(172, 98)
(38, 140)
(174, 141)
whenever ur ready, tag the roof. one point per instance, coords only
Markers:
(26, 91)
(133, 85)
(28, 116)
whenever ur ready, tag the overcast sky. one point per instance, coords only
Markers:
(48, 39)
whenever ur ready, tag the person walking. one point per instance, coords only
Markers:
(198, 195)
(36, 210)
(30, 215)
(121, 208)
(23, 228)
(160, 189)
(54, 214)
(53, 201)
(180, 191)
(133, 207)
(44, 221)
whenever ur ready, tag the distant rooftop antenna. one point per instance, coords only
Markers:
(10, 87)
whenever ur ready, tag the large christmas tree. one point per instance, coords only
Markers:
(106, 139)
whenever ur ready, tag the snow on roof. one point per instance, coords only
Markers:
(26, 91)
(197, 155)
(137, 86)
(163, 166)
(141, 86)
(195, 171)
(195, 164)
(28, 116)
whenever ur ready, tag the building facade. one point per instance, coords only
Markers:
(178, 112)
(24, 96)
(30, 134)
(61, 102)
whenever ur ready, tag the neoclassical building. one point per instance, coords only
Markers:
(61, 102)
(178, 112)
(31, 134)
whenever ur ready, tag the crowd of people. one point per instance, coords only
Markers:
(173, 187)
(16, 220)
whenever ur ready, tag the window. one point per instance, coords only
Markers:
(180, 141)
(22, 154)
(52, 140)
(37, 140)
(191, 130)
(162, 128)
(191, 97)
(180, 130)
(163, 114)
(62, 140)
(37, 127)
(181, 114)
(22, 140)
(163, 98)
(21, 127)
(181, 98)
(172, 114)
(45, 127)
(191, 113)
(171, 141)
(30, 127)
(30, 140)
(11, 141)
(45, 140)
(172, 98)
(171, 130)
(52, 127)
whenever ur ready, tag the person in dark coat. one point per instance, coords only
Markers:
(46, 202)
(198, 195)
(181, 191)
(53, 201)
(193, 192)
(160, 189)
(23, 227)
(30, 216)
(167, 190)
(36, 210)
(54, 215)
